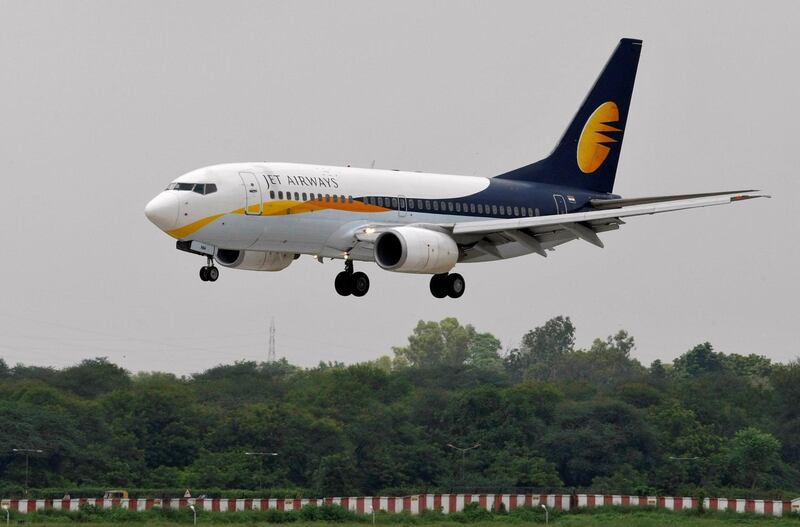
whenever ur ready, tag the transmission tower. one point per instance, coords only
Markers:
(271, 355)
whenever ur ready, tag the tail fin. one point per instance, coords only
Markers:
(587, 155)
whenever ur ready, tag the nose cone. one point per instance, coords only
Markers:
(163, 211)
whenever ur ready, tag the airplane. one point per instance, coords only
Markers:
(261, 216)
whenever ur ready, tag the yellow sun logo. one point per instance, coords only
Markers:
(592, 149)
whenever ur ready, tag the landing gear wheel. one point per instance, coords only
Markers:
(455, 285)
(359, 283)
(439, 285)
(204, 273)
(344, 283)
(212, 273)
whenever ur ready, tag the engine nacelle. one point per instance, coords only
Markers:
(254, 260)
(415, 250)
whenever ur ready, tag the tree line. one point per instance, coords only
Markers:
(545, 415)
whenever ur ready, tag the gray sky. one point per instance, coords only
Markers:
(103, 103)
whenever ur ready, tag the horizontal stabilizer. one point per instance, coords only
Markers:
(603, 204)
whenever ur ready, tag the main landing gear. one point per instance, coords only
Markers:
(349, 283)
(209, 273)
(445, 284)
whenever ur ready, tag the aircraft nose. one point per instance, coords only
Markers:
(163, 211)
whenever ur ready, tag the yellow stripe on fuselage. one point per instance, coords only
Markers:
(187, 230)
(278, 208)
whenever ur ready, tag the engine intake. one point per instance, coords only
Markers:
(254, 260)
(415, 250)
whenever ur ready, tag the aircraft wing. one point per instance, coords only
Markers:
(502, 238)
(545, 232)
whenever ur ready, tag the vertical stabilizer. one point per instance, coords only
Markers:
(587, 154)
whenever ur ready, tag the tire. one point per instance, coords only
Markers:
(359, 283)
(455, 285)
(439, 285)
(212, 274)
(343, 283)
(204, 274)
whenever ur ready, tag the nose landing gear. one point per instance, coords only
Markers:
(349, 283)
(444, 284)
(209, 273)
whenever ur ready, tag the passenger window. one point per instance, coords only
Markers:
(458, 206)
(450, 206)
(427, 205)
(494, 209)
(435, 205)
(349, 199)
(335, 198)
(328, 198)
(537, 211)
(271, 194)
(394, 203)
(304, 196)
(444, 207)
(480, 208)
(472, 207)
(380, 202)
(516, 211)
(411, 204)
(280, 194)
(419, 204)
(402, 202)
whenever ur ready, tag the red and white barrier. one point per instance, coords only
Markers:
(415, 504)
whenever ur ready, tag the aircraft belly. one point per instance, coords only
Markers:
(232, 231)
(300, 233)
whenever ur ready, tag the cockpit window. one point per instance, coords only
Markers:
(205, 188)
(200, 188)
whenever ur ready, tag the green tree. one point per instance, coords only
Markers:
(606, 363)
(447, 343)
(93, 377)
(753, 457)
(523, 469)
(337, 475)
(700, 360)
(786, 411)
(541, 349)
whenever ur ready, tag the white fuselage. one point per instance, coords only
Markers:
(313, 209)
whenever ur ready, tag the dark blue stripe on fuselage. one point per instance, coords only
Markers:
(539, 197)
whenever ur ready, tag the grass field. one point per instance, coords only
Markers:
(472, 516)
(600, 519)
(603, 520)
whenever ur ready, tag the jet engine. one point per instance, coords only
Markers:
(415, 250)
(254, 260)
